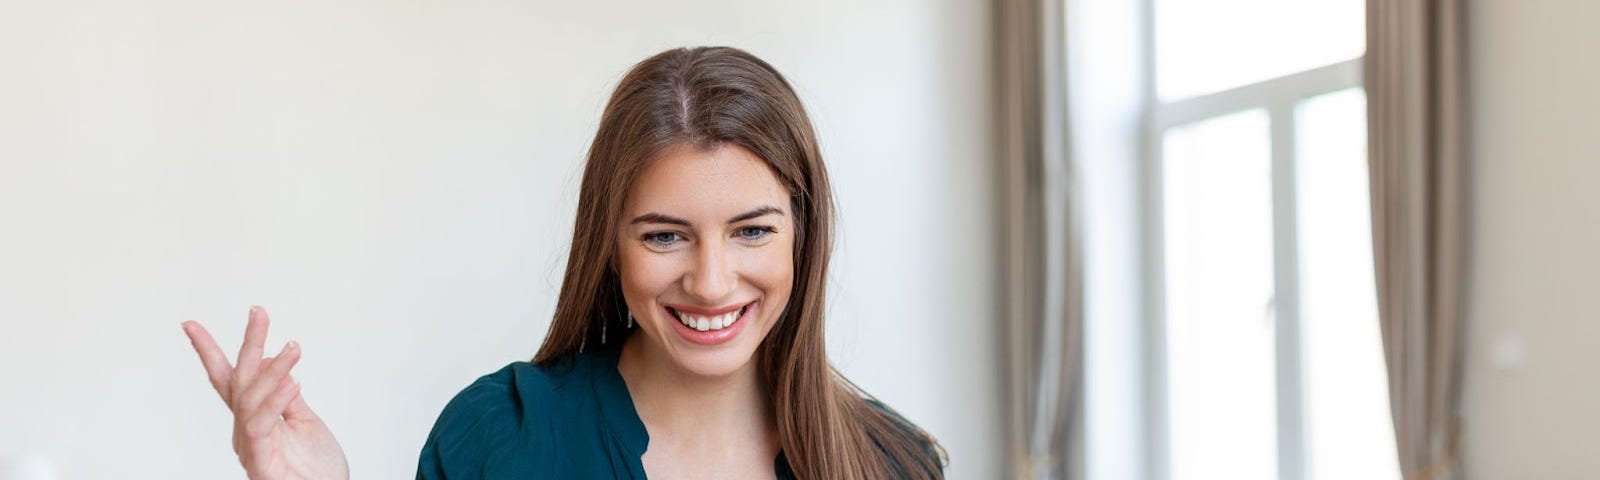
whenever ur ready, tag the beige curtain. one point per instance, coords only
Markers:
(1041, 286)
(1415, 107)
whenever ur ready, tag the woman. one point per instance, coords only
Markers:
(687, 340)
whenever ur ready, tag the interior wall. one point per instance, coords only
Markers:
(1533, 368)
(396, 183)
(1106, 88)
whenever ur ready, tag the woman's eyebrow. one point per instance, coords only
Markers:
(759, 211)
(654, 217)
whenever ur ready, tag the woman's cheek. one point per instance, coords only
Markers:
(774, 266)
(659, 270)
(643, 271)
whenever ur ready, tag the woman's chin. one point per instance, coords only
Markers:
(720, 362)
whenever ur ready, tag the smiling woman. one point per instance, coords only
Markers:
(687, 340)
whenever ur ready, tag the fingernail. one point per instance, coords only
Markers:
(254, 309)
(293, 345)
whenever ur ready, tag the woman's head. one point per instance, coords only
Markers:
(699, 137)
(705, 193)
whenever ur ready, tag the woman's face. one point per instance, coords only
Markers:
(705, 252)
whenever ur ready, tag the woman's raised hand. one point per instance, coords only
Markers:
(274, 433)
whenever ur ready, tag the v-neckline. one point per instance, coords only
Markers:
(617, 404)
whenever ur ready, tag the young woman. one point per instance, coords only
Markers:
(687, 340)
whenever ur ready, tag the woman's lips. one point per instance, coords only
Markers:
(710, 329)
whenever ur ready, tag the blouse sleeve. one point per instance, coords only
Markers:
(477, 423)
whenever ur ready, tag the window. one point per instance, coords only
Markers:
(1268, 361)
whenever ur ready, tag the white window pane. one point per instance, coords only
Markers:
(1349, 434)
(1205, 46)
(1218, 247)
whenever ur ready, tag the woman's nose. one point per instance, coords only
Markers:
(712, 278)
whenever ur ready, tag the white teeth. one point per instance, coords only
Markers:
(708, 323)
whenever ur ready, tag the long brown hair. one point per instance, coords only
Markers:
(706, 97)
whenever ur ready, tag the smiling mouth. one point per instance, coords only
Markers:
(706, 323)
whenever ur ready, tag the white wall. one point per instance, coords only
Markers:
(1106, 86)
(1535, 232)
(395, 182)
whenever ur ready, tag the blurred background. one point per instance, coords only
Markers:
(396, 182)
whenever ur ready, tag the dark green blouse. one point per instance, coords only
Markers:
(570, 421)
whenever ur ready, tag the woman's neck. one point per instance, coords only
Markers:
(677, 404)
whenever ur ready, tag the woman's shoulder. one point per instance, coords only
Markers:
(506, 388)
(499, 414)
(924, 441)
(899, 421)
(517, 390)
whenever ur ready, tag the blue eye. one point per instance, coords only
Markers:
(755, 233)
(661, 239)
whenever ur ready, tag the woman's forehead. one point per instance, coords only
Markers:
(705, 184)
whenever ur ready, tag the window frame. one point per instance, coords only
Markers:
(1279, 97)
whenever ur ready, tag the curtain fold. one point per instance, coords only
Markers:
(1414, 81)
(1042, 288)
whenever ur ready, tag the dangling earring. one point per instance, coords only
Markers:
(603, 331)
(630, 320)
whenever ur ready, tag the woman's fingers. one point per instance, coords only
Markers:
(218, 370)
(259, 427)
(255, 335)
(266, 417)
(278, 401)
(298, 410)
(272, 374)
